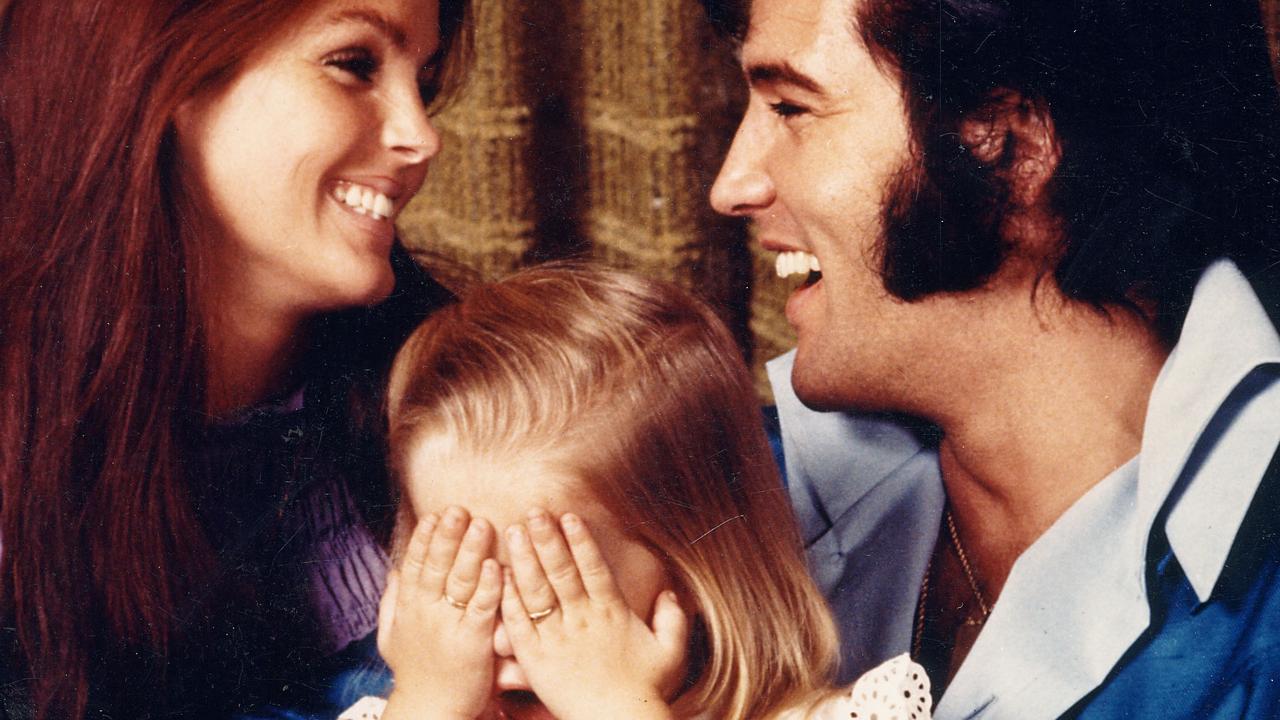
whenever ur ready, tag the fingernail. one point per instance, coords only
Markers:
(476, 530)
(570, 522)
(538, 520)
(453, 517)
(515, 534)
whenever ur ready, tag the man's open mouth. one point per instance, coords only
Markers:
(798, 262)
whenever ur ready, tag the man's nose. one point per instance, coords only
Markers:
(743, 187)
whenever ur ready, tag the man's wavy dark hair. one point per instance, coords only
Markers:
(1167, 121)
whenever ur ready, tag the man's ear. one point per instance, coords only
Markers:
(1015, 136)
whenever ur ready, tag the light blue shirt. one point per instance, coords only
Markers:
(870, 502)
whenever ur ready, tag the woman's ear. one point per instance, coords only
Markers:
(1016, 137)
(193, 115)
(185, 116)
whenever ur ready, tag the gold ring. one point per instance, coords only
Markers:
(449, 599)
(541, 615)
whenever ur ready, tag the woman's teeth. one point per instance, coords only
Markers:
(796, 262)
(364, 200)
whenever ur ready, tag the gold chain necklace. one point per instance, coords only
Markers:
(969, 574)
(984, 609)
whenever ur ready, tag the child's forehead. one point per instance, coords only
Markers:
(500, 485)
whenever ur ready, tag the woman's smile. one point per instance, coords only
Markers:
(364, 200)
(370, 206)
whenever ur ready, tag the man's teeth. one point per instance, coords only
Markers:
(796, 262)
(364, 200)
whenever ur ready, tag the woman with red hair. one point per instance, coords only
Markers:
(201, 293)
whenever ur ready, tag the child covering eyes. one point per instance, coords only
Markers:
(591, 524)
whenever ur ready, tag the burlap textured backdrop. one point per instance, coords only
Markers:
(595, 127)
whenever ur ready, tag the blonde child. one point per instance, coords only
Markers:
(591, 523)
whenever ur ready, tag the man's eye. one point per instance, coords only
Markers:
(357, 62)
(785, 109)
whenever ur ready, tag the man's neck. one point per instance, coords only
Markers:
(1059, 406)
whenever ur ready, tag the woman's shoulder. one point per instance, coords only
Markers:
(897, 689)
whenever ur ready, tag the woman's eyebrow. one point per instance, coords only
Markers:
(374, 19)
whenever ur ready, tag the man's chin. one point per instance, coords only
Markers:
(816, 389)
(821, 402)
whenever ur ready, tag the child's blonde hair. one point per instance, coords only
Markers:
(640, 391)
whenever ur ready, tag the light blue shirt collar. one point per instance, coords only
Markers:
(833, 459)
(1076, 600)
(1227, 335)
(868, 496)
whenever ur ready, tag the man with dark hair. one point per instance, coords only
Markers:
(1045, 229)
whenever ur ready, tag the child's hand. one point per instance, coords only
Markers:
(590, 656)
(436, 621)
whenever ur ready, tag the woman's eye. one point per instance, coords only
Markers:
(785, 109)
(358, 63)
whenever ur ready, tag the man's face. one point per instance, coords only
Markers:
(824, 137)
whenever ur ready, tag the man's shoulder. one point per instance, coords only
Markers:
(1217, 660)
(1214, 658)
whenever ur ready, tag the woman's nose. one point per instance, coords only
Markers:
(408, 131)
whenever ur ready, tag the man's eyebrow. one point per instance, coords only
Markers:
(383, 24)
(773, 73)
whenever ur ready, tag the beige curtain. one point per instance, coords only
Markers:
(595, 127)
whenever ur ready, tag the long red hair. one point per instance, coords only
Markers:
(102, 368)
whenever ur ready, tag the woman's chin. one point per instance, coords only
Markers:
(518, 705)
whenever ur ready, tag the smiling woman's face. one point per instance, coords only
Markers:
(302, 162)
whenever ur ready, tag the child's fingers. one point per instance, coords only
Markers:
(488, 594)
(596, 576)
(443, 548)
(461, 582)
(515, 618)
(557, 563)
(671, 625)
(531, 583)
(415, 553)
